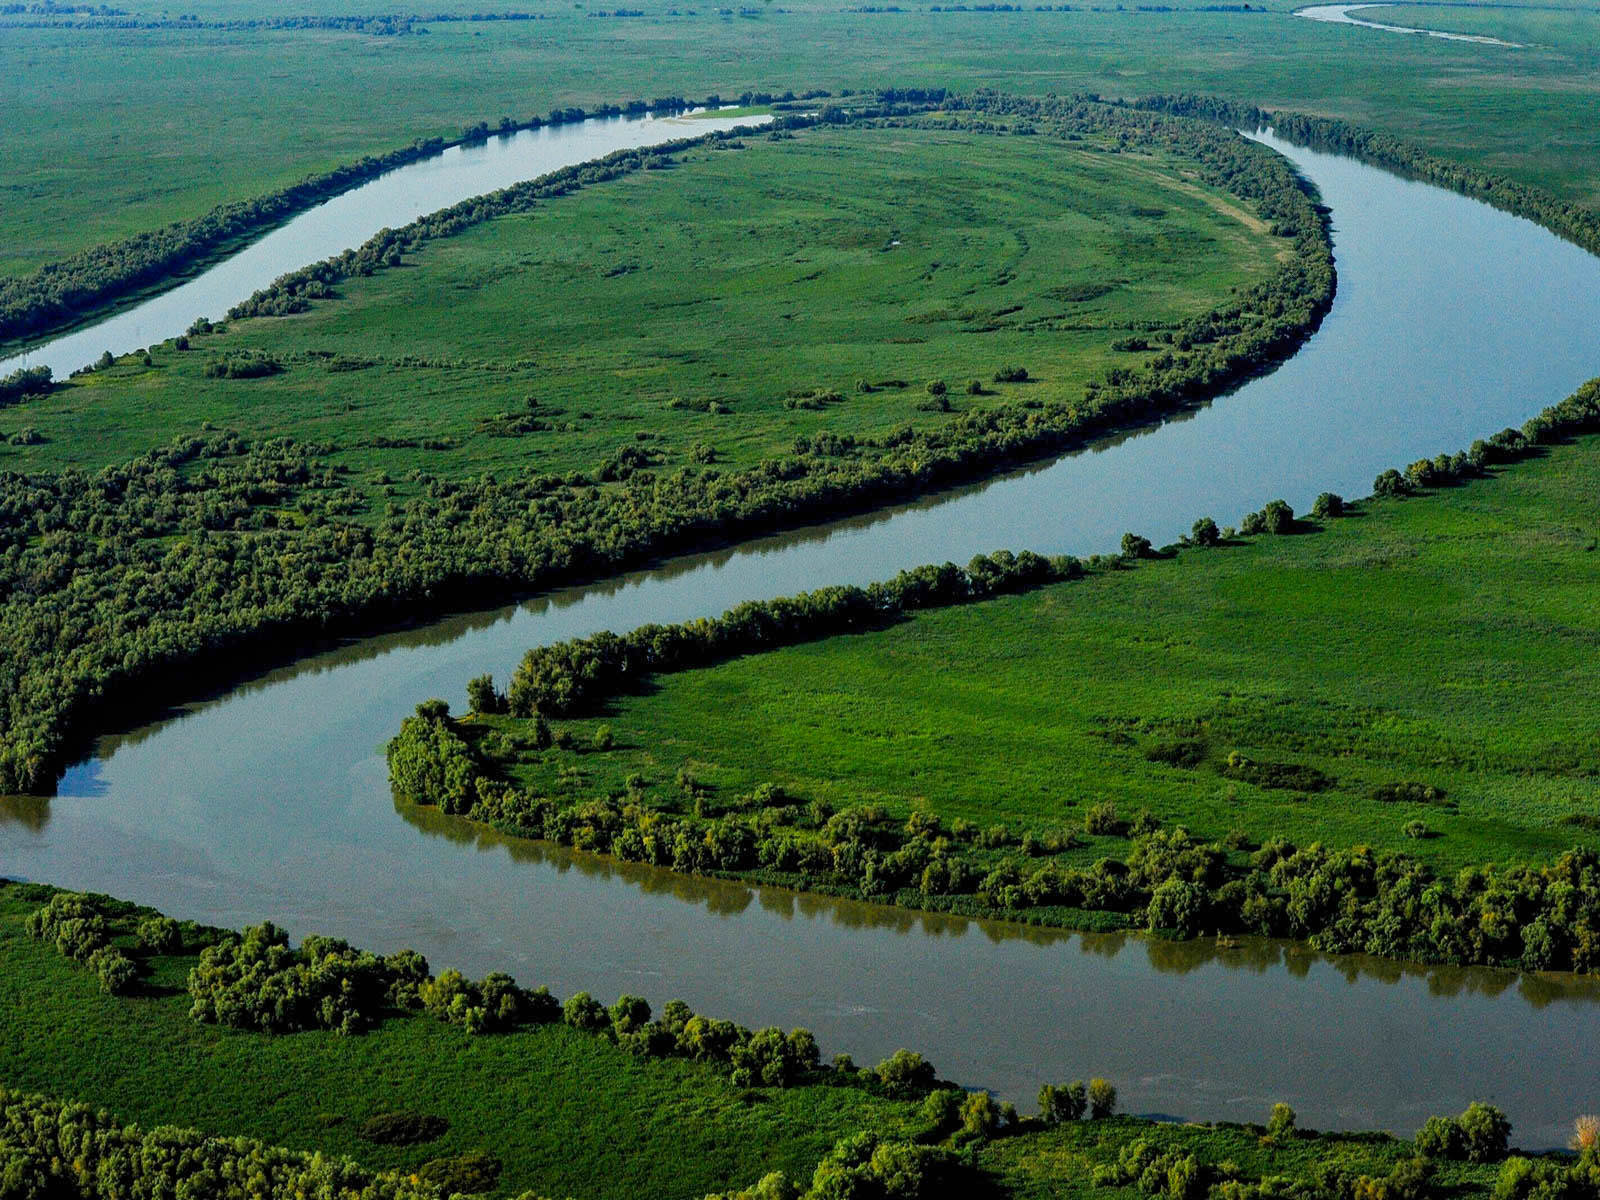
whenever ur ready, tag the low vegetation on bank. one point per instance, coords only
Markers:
(141, 1093)
(1217, 764)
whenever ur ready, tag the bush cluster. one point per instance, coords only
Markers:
(23, 383)
(863, 1166)
(1482, 1134)
(255, 980)
(77, 927)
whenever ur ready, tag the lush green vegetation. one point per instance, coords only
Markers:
(1272, 695)
(175, 151)
(747, 319)
(213, 552)
(569, 1107)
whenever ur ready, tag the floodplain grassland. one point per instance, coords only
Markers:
(730, 304)
(564, 1111)
(1446, 640)
(204, 116)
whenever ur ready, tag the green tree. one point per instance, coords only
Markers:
(1102, 1099)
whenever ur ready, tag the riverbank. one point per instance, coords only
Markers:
(674, 1128)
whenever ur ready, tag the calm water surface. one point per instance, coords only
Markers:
(1339, 14)
(1452, 320)
(393, 199)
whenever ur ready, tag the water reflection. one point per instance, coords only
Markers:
(1257, 956)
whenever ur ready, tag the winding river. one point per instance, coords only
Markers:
(1339, 14)
(1451, 321)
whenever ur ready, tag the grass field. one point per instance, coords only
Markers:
(1448, 640)
(566, 1113)
(154, 125)
(784, 268)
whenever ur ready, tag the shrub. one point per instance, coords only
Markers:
(1185, 752)
(1416, 829)
(941, 1112)
(1278, 517)
(1407, 792)
(1328, 504)
(980, 1116)
(1011, 375)
(159, 935)
(402, 1128)
(1177, 905)
(582, 1011)
(1479, 1135)
(470, 1173)
(1280, 1123)
(974, 387)
(905, 1072)
(1205, 532)
(114, 969)
(1102, 1099)
(72, 922)
(936, 387)
(629, 1013)
(603, 738)
(1101, 820)
(1392, 483)
(1485, 1131)
(1059, 1104)
(483, 698)
(1134, 546)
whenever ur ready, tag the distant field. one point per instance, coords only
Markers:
(1539, 27)
(1448, 640)
(152, 125)
(729, 304)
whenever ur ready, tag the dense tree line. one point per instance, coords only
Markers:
(571, 676)
(255, 980)
(63, 291)
(118, 588)
(1341, 900)
(54, 1150)
(574, 676)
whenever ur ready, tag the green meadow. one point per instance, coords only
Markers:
(721, 308)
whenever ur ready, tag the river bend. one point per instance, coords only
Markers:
(1451, 320)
